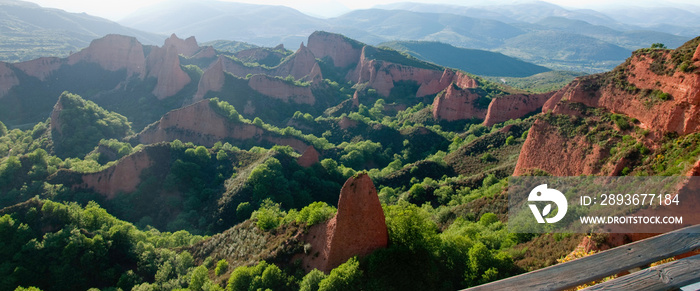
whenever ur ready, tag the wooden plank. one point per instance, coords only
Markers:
(603, 264)
(668, 276)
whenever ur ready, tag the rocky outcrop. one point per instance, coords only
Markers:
(186, 47)
(308, 158)
(199, 124)
(122, 177)
(40, 68)
(513, 106)
(164, 64)
(114, 52)
(433, 86)
(680, 113)
(281, 89)
(456, 103)
(8, 79)
(357, 229)
(381, 76)
(634, 89)
(547, 149)
(301, 65)
(212, 80)
(343, 51)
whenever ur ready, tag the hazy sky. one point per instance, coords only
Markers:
(117, 9)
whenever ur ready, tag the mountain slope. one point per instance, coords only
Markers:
(213, 20)
(28, 31)
(478, 62)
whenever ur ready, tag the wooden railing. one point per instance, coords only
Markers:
(671, 275)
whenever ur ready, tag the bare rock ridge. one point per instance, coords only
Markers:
(164, 65)
(114, 53)
(187, 47)
(123, 177)
(357, 229)
(212, 80)
(649, 87)
(455, 103)
(200, 124)
(513, 106)
(309, 157)
(343, 51)
(281, 89)
(8, 79)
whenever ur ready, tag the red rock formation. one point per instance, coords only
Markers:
(680, 114)
(308, 158)
(381, 75)
(164, 64)
(114, 52)
(546, 149)
(357, 229)
(212, 80)
(124, 176)
(343, 51)
(457, 104)
(8, 79)
(301, 65)
(513, 106)
(41, 67)
(561, 156)
(282, 90)
(346, 123)
(186, 47)
(198, 123)
(55, 123)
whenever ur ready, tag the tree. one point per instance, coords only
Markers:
(221, 267)
(311, 281)
(200, 275)
(658, 45)
(347, 276)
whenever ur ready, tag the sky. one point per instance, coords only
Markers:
(118, 9)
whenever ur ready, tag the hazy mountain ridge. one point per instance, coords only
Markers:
(487, 27)
(29, 31)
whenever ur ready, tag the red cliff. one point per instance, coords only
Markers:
(679, 113)
(8, 79)
(186, 47)
(198, 123)
(281, 89)
(124, 176)
(308, 158)
(212, 80)
(662, 94)
(381, 76)
(513, 106)
(457, 104)
(114, 52)
(357, 229)
(343, 51)
(164, 64)
(40, 68)
(547, 149)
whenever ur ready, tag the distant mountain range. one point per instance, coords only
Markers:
(29, 31)
(539, 32)
(479, 62)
